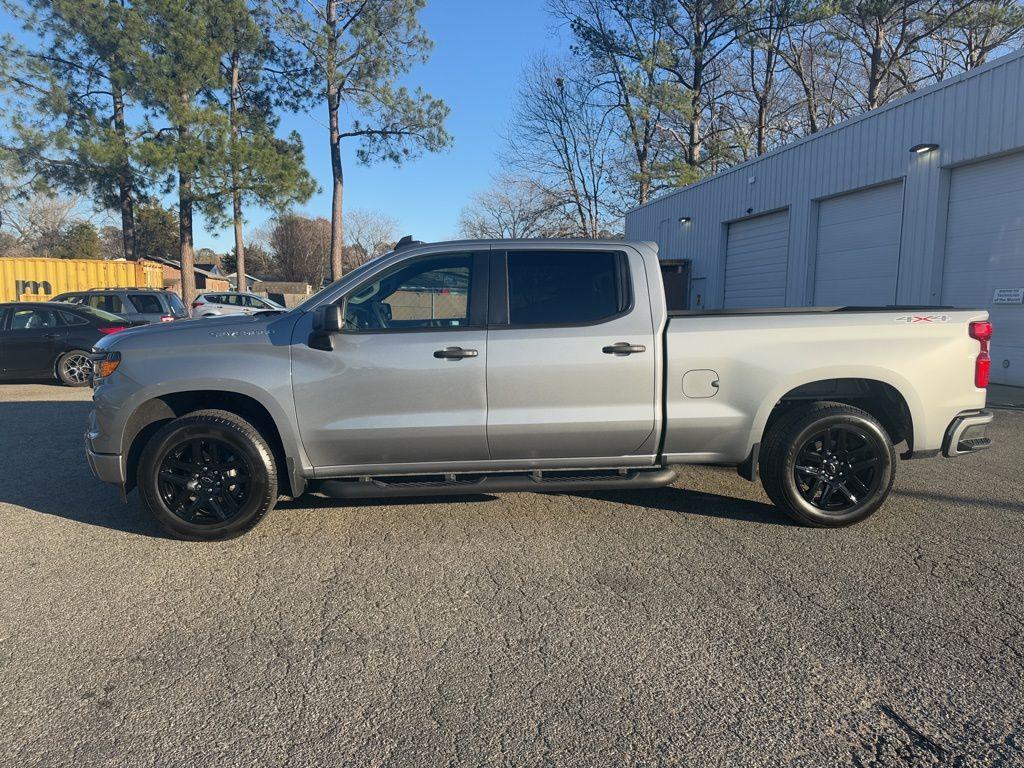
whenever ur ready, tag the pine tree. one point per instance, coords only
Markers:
(354, 54)
(73, 91)
(256, 165)
(184, 44)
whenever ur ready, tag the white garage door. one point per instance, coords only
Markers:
(756, 257)
(985, 251)
(858, 251)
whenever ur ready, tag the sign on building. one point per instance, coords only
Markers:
(1008, 296)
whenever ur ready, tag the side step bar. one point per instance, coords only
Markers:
(502, 482)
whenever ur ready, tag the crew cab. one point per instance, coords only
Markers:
(541, 365)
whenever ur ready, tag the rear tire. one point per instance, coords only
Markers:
(827, 464)
(208, 475)
(74, 368)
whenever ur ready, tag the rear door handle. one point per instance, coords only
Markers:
(623, 348)
(455, 353)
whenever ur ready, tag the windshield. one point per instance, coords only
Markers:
(365, 266)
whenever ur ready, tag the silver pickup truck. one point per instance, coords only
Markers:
(545, 366)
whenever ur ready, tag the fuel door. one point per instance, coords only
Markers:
(700, 383)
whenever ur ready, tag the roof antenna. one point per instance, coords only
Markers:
(406, 242)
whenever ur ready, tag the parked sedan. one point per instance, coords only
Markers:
(212, 304)
(47, 339)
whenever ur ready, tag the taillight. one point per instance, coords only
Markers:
(981, 330)
(107, 330)
(167, 319)
(196, 303)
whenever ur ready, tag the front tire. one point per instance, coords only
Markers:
(74, 368)
(828, 464)
(207, 475)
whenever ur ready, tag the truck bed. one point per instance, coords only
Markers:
(726, 371)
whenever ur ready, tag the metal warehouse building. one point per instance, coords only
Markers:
(919, 202)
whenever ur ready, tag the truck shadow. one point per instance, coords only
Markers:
(43, 468)
(686, 502)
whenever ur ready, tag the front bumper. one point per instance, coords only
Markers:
(967, 434)
(107, 467)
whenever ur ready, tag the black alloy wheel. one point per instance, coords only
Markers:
(827, 464)
(204, 481)
(837, 468)
(207, 475)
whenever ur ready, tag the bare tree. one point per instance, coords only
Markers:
(513, 208)
(701, 46)
(566, 143)
(37, 217)
(369, 234)
(625, 42)
(887, 36)
(300, 247)
(821, 66)
(973, 35)
(762, 84)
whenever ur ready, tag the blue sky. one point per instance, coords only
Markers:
(480, 49)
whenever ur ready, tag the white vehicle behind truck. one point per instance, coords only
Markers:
(549, 365)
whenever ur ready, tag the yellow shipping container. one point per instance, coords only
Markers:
(42, 279)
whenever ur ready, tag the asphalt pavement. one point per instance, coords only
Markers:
(690, 626)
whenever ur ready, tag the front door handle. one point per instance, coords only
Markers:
(455, 353)
(623, 348)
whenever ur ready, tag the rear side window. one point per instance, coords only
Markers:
(565, 287)
(146, 302)
(108, 303)
(72, 319)
(176, 306)
(99, 314)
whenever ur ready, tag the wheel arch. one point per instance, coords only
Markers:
(153, 413)
(886, 396)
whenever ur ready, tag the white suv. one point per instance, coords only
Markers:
(211, 304)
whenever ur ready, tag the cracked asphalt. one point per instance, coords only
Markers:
(686, 626)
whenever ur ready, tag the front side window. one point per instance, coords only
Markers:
(29, 319)
(429, 293)
(563, 287)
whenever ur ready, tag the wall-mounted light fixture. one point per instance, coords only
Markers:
(920, 149)
(684, 220)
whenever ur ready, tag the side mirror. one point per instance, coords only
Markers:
(327, 321)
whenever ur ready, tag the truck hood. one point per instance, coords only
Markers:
(197, 331)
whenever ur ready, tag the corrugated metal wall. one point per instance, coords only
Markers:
(42, 279)
(970, 117)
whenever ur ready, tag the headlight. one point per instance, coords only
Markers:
(104, 364)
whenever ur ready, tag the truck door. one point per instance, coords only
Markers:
(405, 385)
(571, 355)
